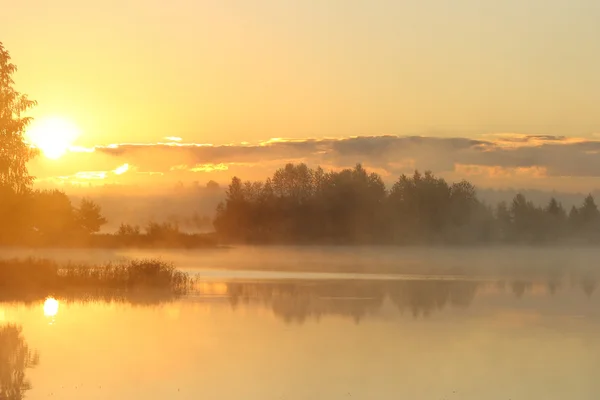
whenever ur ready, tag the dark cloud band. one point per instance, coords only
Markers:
(558, 156)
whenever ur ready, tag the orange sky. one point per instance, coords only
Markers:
(233, 71)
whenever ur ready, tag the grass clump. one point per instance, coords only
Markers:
(150, 274)
(36, 276)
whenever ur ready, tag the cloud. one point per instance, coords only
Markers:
(469, 171)
(91, 175)
(85, 177)
(503, 157)
(209, 167)
(559, 156)
(200, 167)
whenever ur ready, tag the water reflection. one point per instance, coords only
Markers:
(424, 297)
(588, 284)
(143, 297)
(15, 358)
(297, 339)
(51, 307)
(295, 301)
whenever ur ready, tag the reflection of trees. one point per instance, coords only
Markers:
(424, 297)
(298, 301)
(520, 287)
(588, 284)
(15, 358)
(553, 285)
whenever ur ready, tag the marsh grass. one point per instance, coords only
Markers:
(135, 274)
(32, 277)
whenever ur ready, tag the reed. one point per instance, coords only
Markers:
(33, 275)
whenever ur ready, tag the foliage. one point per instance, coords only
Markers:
(14, 152)
(303, 205)
(165, 231)
(89, 216)
(127, 230)
(46, 217)
(212, 185)
(165, 235)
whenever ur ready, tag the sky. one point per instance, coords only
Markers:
(283, 75)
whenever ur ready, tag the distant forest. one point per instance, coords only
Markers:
(303, 205)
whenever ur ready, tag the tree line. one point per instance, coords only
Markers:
(46, 217)
(299, 204)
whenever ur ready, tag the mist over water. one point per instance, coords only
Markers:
(325, 322)
(488, 261)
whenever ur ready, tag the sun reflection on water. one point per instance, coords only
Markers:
(50, 307)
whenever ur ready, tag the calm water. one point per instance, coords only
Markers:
(497, 330)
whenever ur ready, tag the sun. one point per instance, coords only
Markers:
(53, 136)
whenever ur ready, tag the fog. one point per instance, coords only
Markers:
(191, 207)
(350, 261)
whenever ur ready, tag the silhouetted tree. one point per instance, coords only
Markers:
(556, 219)
(212, 185)
(53, 215)
(293, 182)
(589, 210)
(128, 230)
(463, 201)
(14, 152)
(353, 201)
(527, 219)
(588, 218)
(15, 181)
(89, 216)
(232, 214)
(165, 232)
(573, 219)
(504, 222)
(419, 206)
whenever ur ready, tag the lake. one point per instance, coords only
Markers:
(321, 323)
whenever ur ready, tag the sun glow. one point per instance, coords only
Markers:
(53, 136)
(122, 169)
(50, 307)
